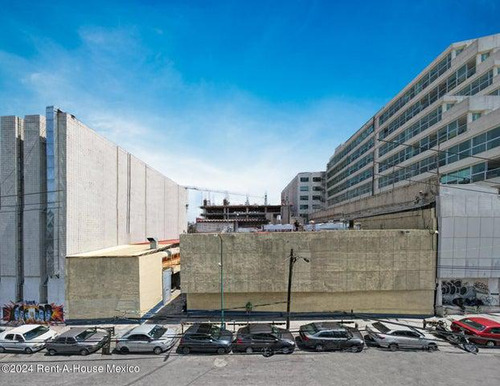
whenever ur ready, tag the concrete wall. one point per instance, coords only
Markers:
(422, 218)
(35, 200)
(105, 287)
(367, 271)
(10, 137)
(113, 197)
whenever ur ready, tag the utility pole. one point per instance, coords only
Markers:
(293, 260)
(221, 284)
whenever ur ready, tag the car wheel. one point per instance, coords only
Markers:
(393, 347)
(185, 350)
(287, 350)
(432, 347)
(249, 350)
(124, 350)
(490, 343)
(2, 349)
(221, 351)
(84, 352)
(52, 352)
(357, 348)
(157, 350)
(28, 350)
(319, 347)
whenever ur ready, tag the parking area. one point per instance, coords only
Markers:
(448, 365)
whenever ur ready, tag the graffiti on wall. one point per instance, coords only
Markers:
(463, 293)
(32, 312)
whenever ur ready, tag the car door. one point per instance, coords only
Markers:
(326, 339)
(493, 334)
(59, 344)
(71, 346)
(415, 340)
(402, 339)
(9, 343)
(202, 342)
(259, 341)
(132, 343)
(20, 342)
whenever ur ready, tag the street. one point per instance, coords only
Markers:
(373, 366)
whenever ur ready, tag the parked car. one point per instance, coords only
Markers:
(206, 337)
(147, 338)
(331, 336)
(28, 338)
(260, 337)
(81, 341)
(481, 330)
(394, 337)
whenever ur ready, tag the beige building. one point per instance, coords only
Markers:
(372, 271)
(124, 281)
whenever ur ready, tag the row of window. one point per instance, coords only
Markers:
(351, 182)
(422, 124)
(442, 135)
(479, 172)
(314, 198)
(306, 179)
(360, 190)
(429, 77)
(479, 84)
(360, 138)
(458, 77)
(351, 169)
(472, 146)
(351, 158)
(305, 188)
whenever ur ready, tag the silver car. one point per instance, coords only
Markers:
(394, 337)
(147, 338)
(28, 338)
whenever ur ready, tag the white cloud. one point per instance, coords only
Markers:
(197, 134)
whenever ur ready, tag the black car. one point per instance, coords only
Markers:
(261, 337)
(206, 337)
(331, 336)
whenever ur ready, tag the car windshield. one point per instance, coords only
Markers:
(35, 332)
(311, 328)
(157, 332)
(382, 328)
(473, 324)
(84, 335)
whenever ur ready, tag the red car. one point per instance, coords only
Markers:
(485, 331)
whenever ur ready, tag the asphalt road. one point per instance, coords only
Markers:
(373, 366)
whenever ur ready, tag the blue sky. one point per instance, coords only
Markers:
(228, 95)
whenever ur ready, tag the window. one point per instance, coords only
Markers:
(60, 340)
(304, 207)
(10, 337)
(476, 116)
(317, 179)
(304, 188)
(326, 334)
(138, 337)
(304, 198)
(316, 206)
(304, 179)
(317, 189)
(317, 198)
(495, 330)
(484, 56)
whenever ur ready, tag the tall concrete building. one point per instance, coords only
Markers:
(64, 190)
(432, 155)
(446, 121)
(303, 195)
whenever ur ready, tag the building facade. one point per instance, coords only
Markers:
(376, 271)
(67, 190)
(304, 195)
(445, 122)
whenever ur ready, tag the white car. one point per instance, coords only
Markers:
(28, 338)
(394, 337)
(147, 338)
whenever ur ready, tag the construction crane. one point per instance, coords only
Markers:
(226, 192)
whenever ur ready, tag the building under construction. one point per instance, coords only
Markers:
(234, 218)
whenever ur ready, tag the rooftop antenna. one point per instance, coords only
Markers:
(265, 198)
(247, 202)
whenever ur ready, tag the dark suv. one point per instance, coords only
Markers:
(331, 336)
(261, 337)
(206, 337)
